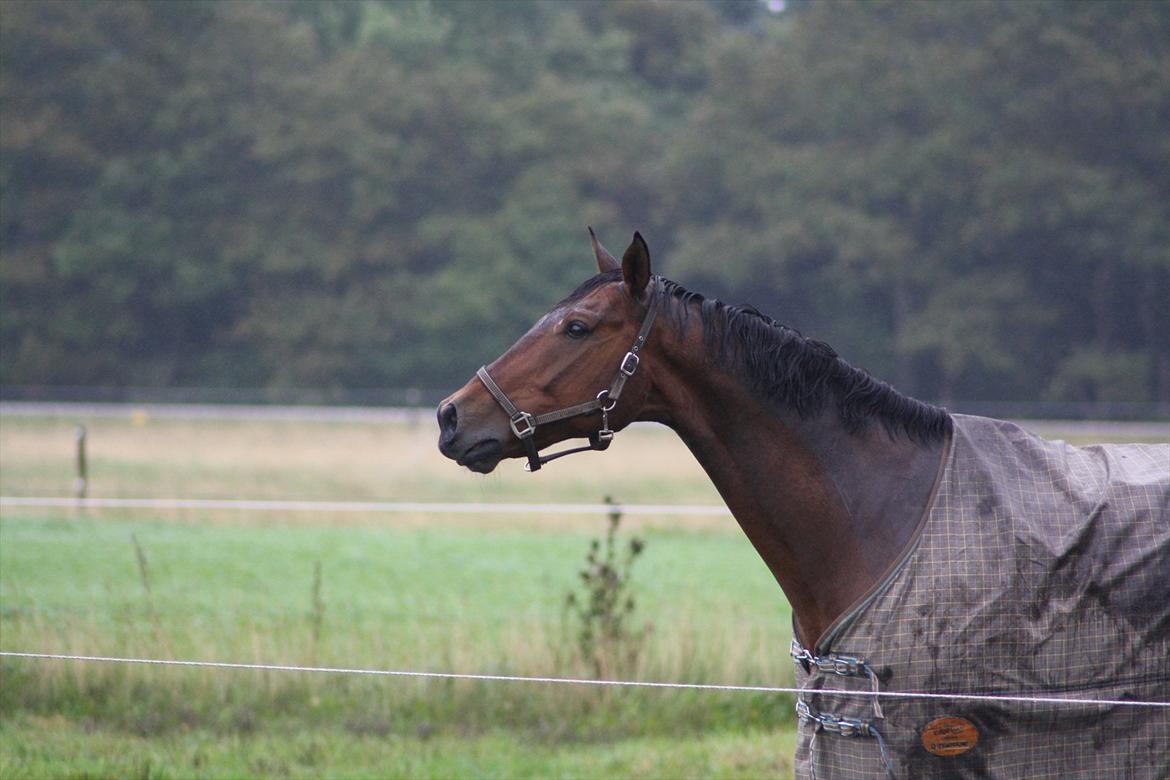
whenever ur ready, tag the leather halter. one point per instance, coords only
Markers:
(524, 424)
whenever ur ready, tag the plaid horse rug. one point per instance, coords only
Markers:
(1040, 569)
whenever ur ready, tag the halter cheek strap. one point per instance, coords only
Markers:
(524, 425)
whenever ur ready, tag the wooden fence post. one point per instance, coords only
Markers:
(81, 482)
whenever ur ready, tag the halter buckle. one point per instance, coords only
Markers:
(523, 424)
(630, 363)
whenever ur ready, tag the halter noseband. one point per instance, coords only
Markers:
(524, 424)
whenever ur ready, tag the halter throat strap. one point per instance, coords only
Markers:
(524, 424)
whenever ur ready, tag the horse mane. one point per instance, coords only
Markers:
(780, 365)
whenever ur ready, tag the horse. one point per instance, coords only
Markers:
(920, 550)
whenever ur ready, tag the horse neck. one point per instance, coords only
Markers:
(828, 511)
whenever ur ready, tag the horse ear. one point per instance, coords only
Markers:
(636, 266)
(605, 261)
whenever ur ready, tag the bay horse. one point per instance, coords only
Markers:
(920, 550)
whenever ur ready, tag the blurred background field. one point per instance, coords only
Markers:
(470, 593)
(290, 459)
(477, 593)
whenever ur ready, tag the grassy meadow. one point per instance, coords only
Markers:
(466, 593)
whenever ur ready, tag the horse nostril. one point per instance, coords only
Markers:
(448, 420)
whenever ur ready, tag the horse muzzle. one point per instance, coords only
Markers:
(479, 453)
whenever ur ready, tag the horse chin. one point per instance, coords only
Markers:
(483, 456)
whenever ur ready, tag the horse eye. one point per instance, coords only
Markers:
(576, 330)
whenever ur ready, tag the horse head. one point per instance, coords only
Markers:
(575, 373)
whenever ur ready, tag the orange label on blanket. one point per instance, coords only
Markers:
(949, 736)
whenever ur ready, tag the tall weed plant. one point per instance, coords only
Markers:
(602, 613)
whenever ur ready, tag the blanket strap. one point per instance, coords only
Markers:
(842, 665)
(846, 727)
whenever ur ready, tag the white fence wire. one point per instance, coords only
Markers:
(357, 506)
(1018, 699)
(437, 507)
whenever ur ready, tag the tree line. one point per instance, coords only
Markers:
(971, 200)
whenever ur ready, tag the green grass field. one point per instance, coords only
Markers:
(462, 593)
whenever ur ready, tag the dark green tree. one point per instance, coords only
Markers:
(968, 198)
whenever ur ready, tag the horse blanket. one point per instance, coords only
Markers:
(1040, 569)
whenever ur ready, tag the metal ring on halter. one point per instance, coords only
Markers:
(523, 424)
(604, 394)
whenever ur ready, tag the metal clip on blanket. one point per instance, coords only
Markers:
(524, 424)
(841, 665)
(846, 727)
